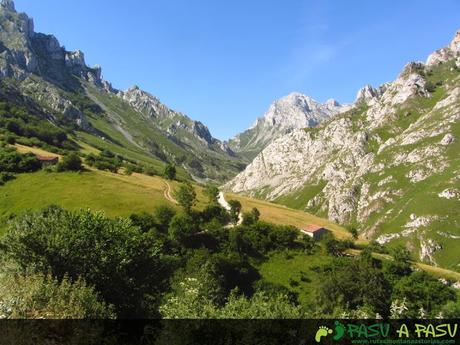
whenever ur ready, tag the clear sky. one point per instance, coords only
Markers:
(223, 62)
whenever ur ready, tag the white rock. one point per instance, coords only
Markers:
(450, 194)
(447, 140)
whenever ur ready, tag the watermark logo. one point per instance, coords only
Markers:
(380, 333)
(324, 331)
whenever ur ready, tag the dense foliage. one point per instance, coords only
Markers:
(191, 264)
(17, 121)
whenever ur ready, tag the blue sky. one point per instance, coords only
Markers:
(223, 62)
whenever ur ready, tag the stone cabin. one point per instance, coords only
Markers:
(47, 161)
(315, 231)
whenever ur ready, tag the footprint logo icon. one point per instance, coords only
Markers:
(323, 331)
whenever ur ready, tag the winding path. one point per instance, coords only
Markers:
(226, 205)
(167, 193)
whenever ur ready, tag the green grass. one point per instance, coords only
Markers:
(299, 199)
(117, 195)
(279, 214)
(281, 269)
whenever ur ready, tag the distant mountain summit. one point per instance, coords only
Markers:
(291, 112)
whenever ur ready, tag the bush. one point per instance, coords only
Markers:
(5, 177)
(124, 265)
(70, 162)
(106, 160)
(170, 172)
(423, 292)
(150, 171)
(38, 296)
(13, 162)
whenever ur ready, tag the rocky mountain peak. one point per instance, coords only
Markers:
(331, 103)
(8, 5)
(294, 111)
(366, 94)
(445, 54)
(455, 44)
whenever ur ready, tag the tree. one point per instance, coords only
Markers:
(70, 162)
(252, 217)
(170, 172)
(349, 284)
(353, 231)
(256, 214)
(163, 215)
(400, 266)
(235, 210)
(127, 267)
(212, 193)
(182, 229)
(186, 197)
(38, 296)
(423, 292)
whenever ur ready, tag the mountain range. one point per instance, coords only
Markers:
(34, 66)
(389, 166)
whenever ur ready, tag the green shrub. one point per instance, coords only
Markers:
(39, 296)
(70, 162)
(124, 265)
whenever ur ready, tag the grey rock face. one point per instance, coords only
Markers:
(285, 115)
(8, 5)
(337, 158)
(447, 53)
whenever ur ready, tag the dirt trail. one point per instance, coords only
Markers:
(167, 193)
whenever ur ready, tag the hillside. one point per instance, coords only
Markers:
(388, 167)
(56, 86)
(121, 195)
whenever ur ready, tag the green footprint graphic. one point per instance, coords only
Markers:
(323, 331)
(339, 331)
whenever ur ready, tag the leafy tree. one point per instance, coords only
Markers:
(14, 162)
(5, 177)
(353, 231)
(215, 212)
(400, 266)
(252, 217)
(423, 292)
(70, 162)
(186, 197)
(212, 193)
(182, 229)
(150, 171)
(451, 310)
(170, 172)
(349, 284)
(38, 296)
(255, 214)
(163, 215)
(146, 222)
(235, 210)
(190, 302)
(124, 265)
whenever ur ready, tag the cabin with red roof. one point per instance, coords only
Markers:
(314, 231)
(47, 161)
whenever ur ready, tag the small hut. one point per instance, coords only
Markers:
(315, 231)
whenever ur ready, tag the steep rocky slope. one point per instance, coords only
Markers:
(390, 166)
(284, 115)
(38, 67)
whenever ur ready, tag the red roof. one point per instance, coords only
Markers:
(46, 159)
(312, 228)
